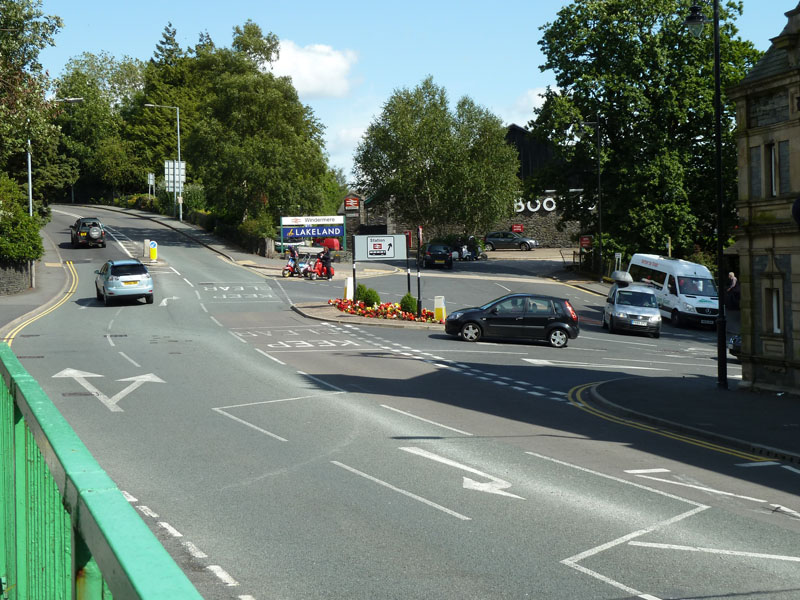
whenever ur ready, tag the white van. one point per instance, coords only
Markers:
(686, 291)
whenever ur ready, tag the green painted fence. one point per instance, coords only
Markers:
(65, 528)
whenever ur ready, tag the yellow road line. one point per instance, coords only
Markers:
(576, 398)
(72, 287)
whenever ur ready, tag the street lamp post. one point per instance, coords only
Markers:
(596, 125)
(178, 188)
(695, 22)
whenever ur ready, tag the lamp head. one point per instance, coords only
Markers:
(695, 21)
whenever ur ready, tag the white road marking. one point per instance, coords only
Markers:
(502, 286)
(203, 306)
(766, 463)
(165, 300)
(197, 293)
(129, 359)
(661, 362)
(715, 551)
(129, 497)
(121, 245)
(221, 573)
(110, 341)
(564, 363)
(235, 336)
(215, 321)
(408, 414)
(170, 529)
(194, 550)
(702, 488)
(402, 491)
(495, 485)
(532, 393)
(792, 469)
(781, 508)
(638, 471)
(147, 511)
(325, 383)
(260, 351)
(248, 424)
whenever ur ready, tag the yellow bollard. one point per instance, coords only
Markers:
(153, 251)
(439, 311)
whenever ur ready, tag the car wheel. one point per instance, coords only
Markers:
(657, 333)
(558, 338)
(103, 245)
(149, 298)
(106, 299)
(524, 246)
(489, 246)
(675, 319)
(97, 292)
(611, 324)
(471, 332)
(604, 324)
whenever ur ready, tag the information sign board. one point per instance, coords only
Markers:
(380, 247)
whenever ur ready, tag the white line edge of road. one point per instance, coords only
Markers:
(413, 416)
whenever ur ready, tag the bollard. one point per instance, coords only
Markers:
(146, 248)
(439, 311)
(153, 251)
(348, 289)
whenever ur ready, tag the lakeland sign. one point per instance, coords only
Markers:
(312, 227)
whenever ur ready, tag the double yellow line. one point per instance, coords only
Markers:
(73, 285)
(576, 397)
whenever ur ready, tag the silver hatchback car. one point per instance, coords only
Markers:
(127, 278)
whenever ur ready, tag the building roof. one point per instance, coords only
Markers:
(782, 55)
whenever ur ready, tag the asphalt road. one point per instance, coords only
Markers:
(280, 457)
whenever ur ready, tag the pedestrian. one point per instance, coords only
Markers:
(325, 257)
(733, 291)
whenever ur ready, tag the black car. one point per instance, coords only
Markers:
(517, 316)
(438, 255)
(508, 240)
(88, 231)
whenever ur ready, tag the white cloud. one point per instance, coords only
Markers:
(317, 70)
(521, 111)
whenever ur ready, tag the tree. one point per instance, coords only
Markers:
(447, 171)
(633, 63)
(19, 233)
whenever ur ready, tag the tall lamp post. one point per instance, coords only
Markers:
(178, 188)
(596, 125)
(695, 23)
(30, 175)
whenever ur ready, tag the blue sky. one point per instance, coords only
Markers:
(347, 57)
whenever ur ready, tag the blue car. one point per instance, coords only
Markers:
(127, 278)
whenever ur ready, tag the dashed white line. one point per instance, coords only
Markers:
(170, 529)
(413, 416)
(792, 469)
(186, 280)
(110, 341)
(766, 463)
(194, 550)
(129, 497)
(260, 351)
(232, 333)
(215, 321)
(701, 488)
(222, 575)
(129, 359)
(638, 471)
(147, 511)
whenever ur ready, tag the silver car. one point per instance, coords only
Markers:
(127, 278)
(508, 239)
(632, 308)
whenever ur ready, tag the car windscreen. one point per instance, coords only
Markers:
(630, 298)
(697, 286)
(123, 270)
(438, 249)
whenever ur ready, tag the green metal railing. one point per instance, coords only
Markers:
(65, 528)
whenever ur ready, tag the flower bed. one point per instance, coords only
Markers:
(382, 311)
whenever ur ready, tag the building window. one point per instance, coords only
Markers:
(755, 172)
(772, 170)
(772, 308)
(783, 168)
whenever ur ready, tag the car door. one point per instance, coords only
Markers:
(539, 315)
(506, 241)
(504, 319)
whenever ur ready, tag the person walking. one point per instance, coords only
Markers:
(325, 257)
(732, 292)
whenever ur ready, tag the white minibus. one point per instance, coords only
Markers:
(686, 291)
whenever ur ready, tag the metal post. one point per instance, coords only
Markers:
(30, 182)
(180, 178)
(599, 202)
(722, 356)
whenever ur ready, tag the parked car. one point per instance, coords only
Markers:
(437, 255)
(632, 308)
(735, 345)
(127, 278)
(88, 231)
(508, 239)
(517, 316)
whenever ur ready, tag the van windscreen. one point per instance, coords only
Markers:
(697, 286)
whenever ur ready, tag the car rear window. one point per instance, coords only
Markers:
(437, 248)
(122, 270)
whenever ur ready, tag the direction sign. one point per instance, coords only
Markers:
(380, 247)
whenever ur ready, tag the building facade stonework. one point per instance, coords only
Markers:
(768, 139)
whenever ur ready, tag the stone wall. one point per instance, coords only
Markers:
(15, 277)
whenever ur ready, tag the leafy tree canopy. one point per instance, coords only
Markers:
(633, 64)
(443, 169)
(19, 233)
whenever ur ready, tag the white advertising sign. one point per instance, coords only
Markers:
(311, 221)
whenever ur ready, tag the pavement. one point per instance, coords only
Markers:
(763, 423)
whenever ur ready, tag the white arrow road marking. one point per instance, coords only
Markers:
(494, 486)
(110, 403)
(164, 301)
(565, 363)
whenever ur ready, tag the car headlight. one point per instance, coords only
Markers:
(454, 316)
(687, 307)
(621, 314)
(655, 319)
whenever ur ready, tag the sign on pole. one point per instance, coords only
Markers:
(174, 175)
(380, 247)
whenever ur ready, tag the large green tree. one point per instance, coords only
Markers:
(447, 170)
(634, 64)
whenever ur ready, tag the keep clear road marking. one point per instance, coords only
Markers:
(494, 486)
(111, 403)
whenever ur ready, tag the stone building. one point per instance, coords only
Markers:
(768, 123)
